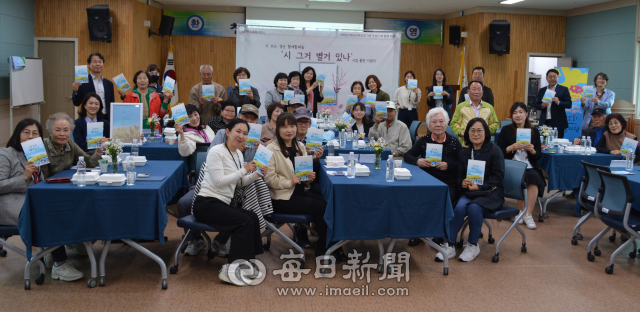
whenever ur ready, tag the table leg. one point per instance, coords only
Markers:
(441, 250)
(92, 259)
(103, 257)
(381, 257)
(330, 251)
(27, 267)
(543, 207)
(389, 250)
(146, 252)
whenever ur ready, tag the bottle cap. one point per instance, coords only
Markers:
(135, 141)
(80, 157)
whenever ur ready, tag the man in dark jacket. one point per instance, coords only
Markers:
(487, 94)
(97, 84)
(553, 114)
(597, 119)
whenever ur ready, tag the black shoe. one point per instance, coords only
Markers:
(302, 238)
(340, 256)
(414, 242)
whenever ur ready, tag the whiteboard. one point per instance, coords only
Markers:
(27, 83)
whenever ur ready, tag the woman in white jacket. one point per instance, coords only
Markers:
(193, 132)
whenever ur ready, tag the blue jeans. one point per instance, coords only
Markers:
(474, 212)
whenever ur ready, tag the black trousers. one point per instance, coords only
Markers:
(243, 225)
(407, 116)
(311, 204)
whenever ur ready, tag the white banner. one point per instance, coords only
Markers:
(344, 56)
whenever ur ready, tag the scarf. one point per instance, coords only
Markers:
(614, 141)
(199, 132)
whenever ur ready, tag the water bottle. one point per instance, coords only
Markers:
(583, 144)
(81, 174)
(588, 145)
(390, 167)
(629, 165)
(355, 140)
(349, 137)
(351, 169)
(131, 170)
(343, 139)
(330, 148)
(134, 148)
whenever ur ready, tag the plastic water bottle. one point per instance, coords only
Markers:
(343, 139)
(629, 164)
(351, 168)
(583, 144)
(330, 148)
(130, 166)
(588, 145)
(134, 148)
(354, 145)
(390, 169)
(82, 169)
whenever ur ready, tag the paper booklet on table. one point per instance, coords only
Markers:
(34, 151)
(381, 109)
(523, 136)
(314, 138)
(94, 134)
(304, 166)
(352, 100)
(370, 99)
(82, 74)
(169, 83)
(244, 85)
(179, 113)
(434, 153)
(253, 139)
(348, 119)
(121, 82)
(437, 90)
(288, 95)
(628, 145)
(262, 157)
(548, 95)
(412, 84)
(588, 91)
(475, 171)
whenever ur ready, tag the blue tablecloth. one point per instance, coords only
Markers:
(62, 214)
(371, 208)
(565, 169)
(158, 151)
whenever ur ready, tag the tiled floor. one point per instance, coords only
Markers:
(552, 276)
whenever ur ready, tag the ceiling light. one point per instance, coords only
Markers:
(510, 1)
(331, 0)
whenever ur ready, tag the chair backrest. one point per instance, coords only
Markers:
(200, 148)
(451, 133)
(505, 123)
(200, 158)
(592, 180)
(413, 130)
(513, 182)
(229, 91)
(615, 193)
(262, 120)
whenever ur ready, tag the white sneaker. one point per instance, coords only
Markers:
(194, 247)
(469, 253)
(450, 250)
(528, 219)
(252, 272)
(66, 272)
(240, 279)
(521, 221)
(221, 249)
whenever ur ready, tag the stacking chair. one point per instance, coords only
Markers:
(613, 207)
(515, 188)
(275, 221)
(413, 130)
(451, 133)
(193, 159)
(505, 122)
(7, 231)
(588, 192)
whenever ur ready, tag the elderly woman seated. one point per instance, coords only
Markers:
(446, 169)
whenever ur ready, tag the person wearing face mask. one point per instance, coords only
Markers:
(363, 122)
(407, 100)
(193, 132)
(97, 84)
(227, 112)
(439, 79)
(151, 103)
(553, 114)
(603, 99)
(208, 108)
(90, 111)
(276, 95)
(614, 136)
(357, 89)
(487, 94)
(394, 132)
(598, 117)
(473, 108)
(312, 89)
(252, 97)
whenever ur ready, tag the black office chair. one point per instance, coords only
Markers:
(7, 231)
(587, 196)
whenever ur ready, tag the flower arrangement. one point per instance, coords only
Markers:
(378, 147)
(326, 113)
(153, 121)
(544, 130)
(341, 125)
(113, 149)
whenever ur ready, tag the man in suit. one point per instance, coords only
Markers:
(553, 114)
(478, 75)
(98, 84)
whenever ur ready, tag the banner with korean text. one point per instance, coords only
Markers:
(342, 56)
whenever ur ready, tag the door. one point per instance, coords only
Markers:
(565, 62)
(58, 61)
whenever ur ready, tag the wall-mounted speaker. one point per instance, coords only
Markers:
(166, 25)
(454, 35)
(499, 37)
(99, 23)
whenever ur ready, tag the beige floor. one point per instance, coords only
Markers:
(552, 276)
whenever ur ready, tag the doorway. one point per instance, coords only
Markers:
(59, 56)
(537, 66)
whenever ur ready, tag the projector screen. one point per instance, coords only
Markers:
(309, 19)
(343, 56)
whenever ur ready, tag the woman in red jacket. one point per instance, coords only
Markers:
(151, 100)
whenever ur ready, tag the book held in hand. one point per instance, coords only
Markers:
(304, 166)
(288, 95)
(208, 92)
(121, 82)
(262, 157)
(523, 136)
(94, 134)
(179, 113)
(352, 100)
(475, 171)
(371, 99)
(82, 73)
(412, 84)
(314, 138)
(253, 139)
(628, 145)
(433, 153)
(437, 90)
(34, 151)
(169, 84)
(348, 119)
(381, 109)
(548, 95)
(321, 77)
(244, 85)
(588, 92)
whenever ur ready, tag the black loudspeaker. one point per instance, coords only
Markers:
(499, 37)
(454, 35)
(99, 23)
(166, 25)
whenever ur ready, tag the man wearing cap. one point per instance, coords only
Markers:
(293, 104)
(249, 113)
(597, 117)
(394, 132)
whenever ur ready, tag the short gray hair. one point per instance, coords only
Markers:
(205, 66)
(57, 116)
(434, 111)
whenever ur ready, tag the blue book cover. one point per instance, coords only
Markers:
(304, 166)
(475, 171)
(329, 96)
(314, 138)
(434, 153)
(437, 90)
(121, 82)
(262, 157)
(412, 84)
(381, 110)
(179, 113)
(348, 119)
(321, 77)
(169, 84)
(548, 95)
(523, 136)
(253, 138)
(628, 145)
(288, 95)
(35, 152)
(588, 91)
(352, 100)
(208, 92)
(244, 85)
(94, 134)
(371, 99)
(82, 73)
(314, 123)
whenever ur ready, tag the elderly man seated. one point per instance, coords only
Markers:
(394, 132)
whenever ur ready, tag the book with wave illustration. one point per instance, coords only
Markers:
(82, 74)
(179, 113)
(94, 134)
(433, 153)
(244, 85)
(314, 138)
(253, 138)
(34, 151)
(523, 136)
(262, 157)
(304, 166)
(475, 171)
(121, 82)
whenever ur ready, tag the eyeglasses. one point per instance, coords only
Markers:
(478, 131)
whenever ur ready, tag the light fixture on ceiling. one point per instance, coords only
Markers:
(331, 0)
(510, 1)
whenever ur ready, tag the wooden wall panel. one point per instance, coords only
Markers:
(506, 74)
(423, 60)
(145, 50)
